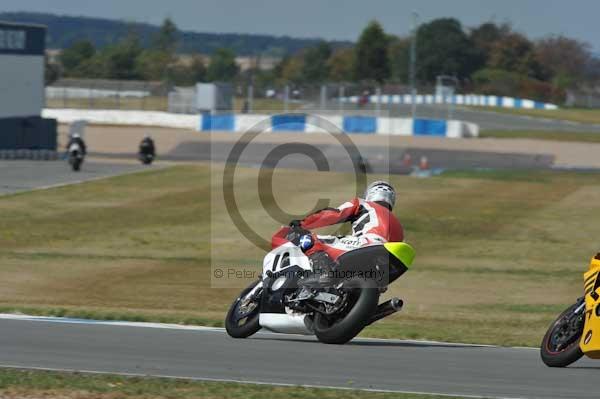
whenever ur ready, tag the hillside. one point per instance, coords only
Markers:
(64, 30)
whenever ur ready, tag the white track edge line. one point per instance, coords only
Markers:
(166, 326)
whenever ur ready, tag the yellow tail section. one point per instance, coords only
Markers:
(590, 340)
(401, 250)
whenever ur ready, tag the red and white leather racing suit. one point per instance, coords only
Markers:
(371, 224)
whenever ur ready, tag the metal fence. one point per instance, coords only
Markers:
(107, 94)
(157, 96)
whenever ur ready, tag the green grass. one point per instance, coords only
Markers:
(37, 384)
(499, 253)
(584, 137)
(582, 115)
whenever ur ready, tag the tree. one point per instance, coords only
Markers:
(399, 54)
(566, 60)
(290, 69)
(486, 35)
(445, 49)
(187, 74)
(72, 57)
(153, 64)
(222, 66)
(371, 60)
(515, 53)
(121, 59)
(315, 68)
(51, 72)
(341, 65)
(167, 37)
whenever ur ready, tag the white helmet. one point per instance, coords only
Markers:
(381, 191)
(75, 135)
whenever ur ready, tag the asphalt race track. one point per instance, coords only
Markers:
(16, 176)
(208, 353)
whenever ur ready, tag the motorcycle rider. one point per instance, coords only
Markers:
(75, 138)
(372, 223)
(147, 146)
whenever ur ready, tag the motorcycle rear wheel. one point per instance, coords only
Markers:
(239, 324)
(561, 357)
(364, 294)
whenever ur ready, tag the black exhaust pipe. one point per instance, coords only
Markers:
(386, 309)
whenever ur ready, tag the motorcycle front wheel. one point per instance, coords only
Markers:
(338, 329)
(560, 346)
(242, 319)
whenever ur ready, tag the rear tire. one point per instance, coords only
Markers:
(564, 357)
(251, 324)
(350, 325)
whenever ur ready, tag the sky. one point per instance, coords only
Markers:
(335, 19)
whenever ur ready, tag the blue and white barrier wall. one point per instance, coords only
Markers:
(275, 123)
(459, 99)
(349, 124)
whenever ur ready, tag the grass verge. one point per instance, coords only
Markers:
(581, 115)
(498, 253)
(583, 137)
(40, 384)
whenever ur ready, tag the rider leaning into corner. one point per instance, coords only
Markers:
(372, 223)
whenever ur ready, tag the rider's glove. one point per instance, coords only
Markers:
(296, 224)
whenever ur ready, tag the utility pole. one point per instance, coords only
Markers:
(413, 64)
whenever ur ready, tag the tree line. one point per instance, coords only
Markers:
(490, 59)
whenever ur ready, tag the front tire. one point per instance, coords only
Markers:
(364, 295)
(555, 352)
(240, 324)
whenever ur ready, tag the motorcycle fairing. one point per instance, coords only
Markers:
(384, 262)
(590, 340)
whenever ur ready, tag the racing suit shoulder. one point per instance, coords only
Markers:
(330, 216)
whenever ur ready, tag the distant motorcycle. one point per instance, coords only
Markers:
(76, 156)
(145, 158)
(287, 298)
(147, 151)
(576, 332)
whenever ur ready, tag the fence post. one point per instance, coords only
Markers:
(378, 101)
(286, 98)
(64, 97)
(323, 97)
(144, 96)
(342, 93)
(250, 98)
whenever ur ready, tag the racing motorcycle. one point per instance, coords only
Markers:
(75, 156)
(292, 296)
(576, 332)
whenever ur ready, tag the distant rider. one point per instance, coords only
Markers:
(372, 223)
(147, 146)
(75, 138)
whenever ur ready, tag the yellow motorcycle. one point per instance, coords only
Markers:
(576, 332)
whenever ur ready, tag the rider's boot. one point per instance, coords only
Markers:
(322, 266)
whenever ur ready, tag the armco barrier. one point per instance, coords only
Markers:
(430, 127)
(458, 99)
(224, 122)
(278, 123)
(119, 117)
(360, 124)
(288, 123)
